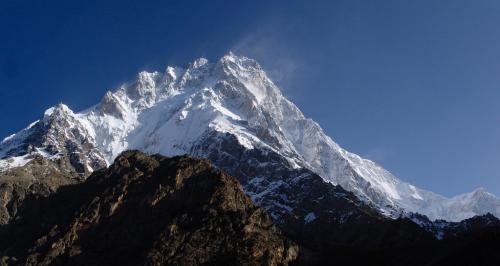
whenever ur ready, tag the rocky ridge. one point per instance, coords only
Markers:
(146, 210)
(171, 112)
(161, 211)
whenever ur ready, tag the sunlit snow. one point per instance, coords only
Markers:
(170, 112)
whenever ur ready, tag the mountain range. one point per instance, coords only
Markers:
(154, 210)
(231, 113)
(211, 164)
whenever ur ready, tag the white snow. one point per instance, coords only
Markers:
(9, 137)
(309, 217)
(169, 112)
(13, 162)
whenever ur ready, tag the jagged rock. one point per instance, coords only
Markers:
(169, 112)
(40, 176)
(448, 230)
(146, 210)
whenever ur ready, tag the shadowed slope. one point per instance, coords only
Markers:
(146, 210)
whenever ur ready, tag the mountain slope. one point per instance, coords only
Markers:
(40, 176)
(146, 210)
(182, 211)
(186, 110)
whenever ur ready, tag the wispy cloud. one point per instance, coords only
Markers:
(379, 154)
(267, 44)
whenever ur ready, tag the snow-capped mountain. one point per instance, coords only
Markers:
(206, 109)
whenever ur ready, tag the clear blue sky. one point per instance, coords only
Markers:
(413, 85)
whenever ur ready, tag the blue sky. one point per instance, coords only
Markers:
(413, 85)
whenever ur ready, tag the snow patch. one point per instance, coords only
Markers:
(13, 162)
(309, 217)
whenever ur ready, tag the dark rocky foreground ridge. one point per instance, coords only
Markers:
(39, 177)
(345, 230)
(160, 211)
(145, 210)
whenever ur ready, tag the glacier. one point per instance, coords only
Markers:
(169, 112)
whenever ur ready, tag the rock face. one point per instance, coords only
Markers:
(146, 210)
(40, 176)
(319, 216)
(54, 151)
(156, 210)
(173, 111)
(59, 136)
(339, 207)
(450, 230)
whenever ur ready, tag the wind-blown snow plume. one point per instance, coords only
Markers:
(172, 112)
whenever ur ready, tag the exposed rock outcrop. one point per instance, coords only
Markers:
(146, 210)
(39, 177)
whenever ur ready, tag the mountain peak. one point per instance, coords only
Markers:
(198, 63)
(243, 63)
(60, 108)
(482, 192)
(177, 111)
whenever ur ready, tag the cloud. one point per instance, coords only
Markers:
(267, 44)
(379, 154)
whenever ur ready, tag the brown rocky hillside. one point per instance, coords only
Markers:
(146, 210)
